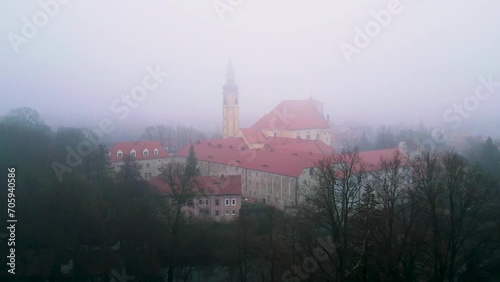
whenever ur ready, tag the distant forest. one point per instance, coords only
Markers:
(432, 217)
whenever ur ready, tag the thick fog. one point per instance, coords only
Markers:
(369, 62)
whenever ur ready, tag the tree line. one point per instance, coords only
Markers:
(433, 217)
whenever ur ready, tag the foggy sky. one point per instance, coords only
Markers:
(428, 58)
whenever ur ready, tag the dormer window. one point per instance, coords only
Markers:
(133, 153)
(119, 154)
(155, 152)
(145, 152)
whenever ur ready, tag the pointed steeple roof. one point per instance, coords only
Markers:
(230, 85)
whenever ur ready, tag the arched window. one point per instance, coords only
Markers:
(145, 152)
(155, 152)
(119, 154)
(133, 153)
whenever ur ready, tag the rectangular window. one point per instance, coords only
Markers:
(227, 212)
(234, 212)
(216, 213)
(147, 164)
(216, 202)
(227, 202)
(233, 202)
(200, 202)
(206, 202)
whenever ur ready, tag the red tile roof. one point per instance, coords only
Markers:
(294, 115)
(372, 158)
(139, 146)
(232, 143)
(260, 160)
(206, 185)
(307, 148)
(283, 161)
(253, 135)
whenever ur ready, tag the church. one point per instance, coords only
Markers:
(301, 119)
(276, 155)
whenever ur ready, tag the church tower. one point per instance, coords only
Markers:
(230, 106)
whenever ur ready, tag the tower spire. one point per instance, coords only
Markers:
(230, 71)
(230, 107)
(230, 84)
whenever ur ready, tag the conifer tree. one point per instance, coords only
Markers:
(192, 163)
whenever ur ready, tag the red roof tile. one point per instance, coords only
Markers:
(283, 161)
(259, 160)
(231, 143)
(253, 135)
(294, 115)
(374, 157)
(299, 146)
(139, 146)
(206, 185)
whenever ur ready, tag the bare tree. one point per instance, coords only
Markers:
(385, 138)
(327, 210)
(397, 210)
(180, 194)
(25, 117)
(457, 199)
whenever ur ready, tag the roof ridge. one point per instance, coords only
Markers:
(316, 143)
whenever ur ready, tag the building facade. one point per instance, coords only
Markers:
(150, 155)
(277, 174)
(215, 197)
